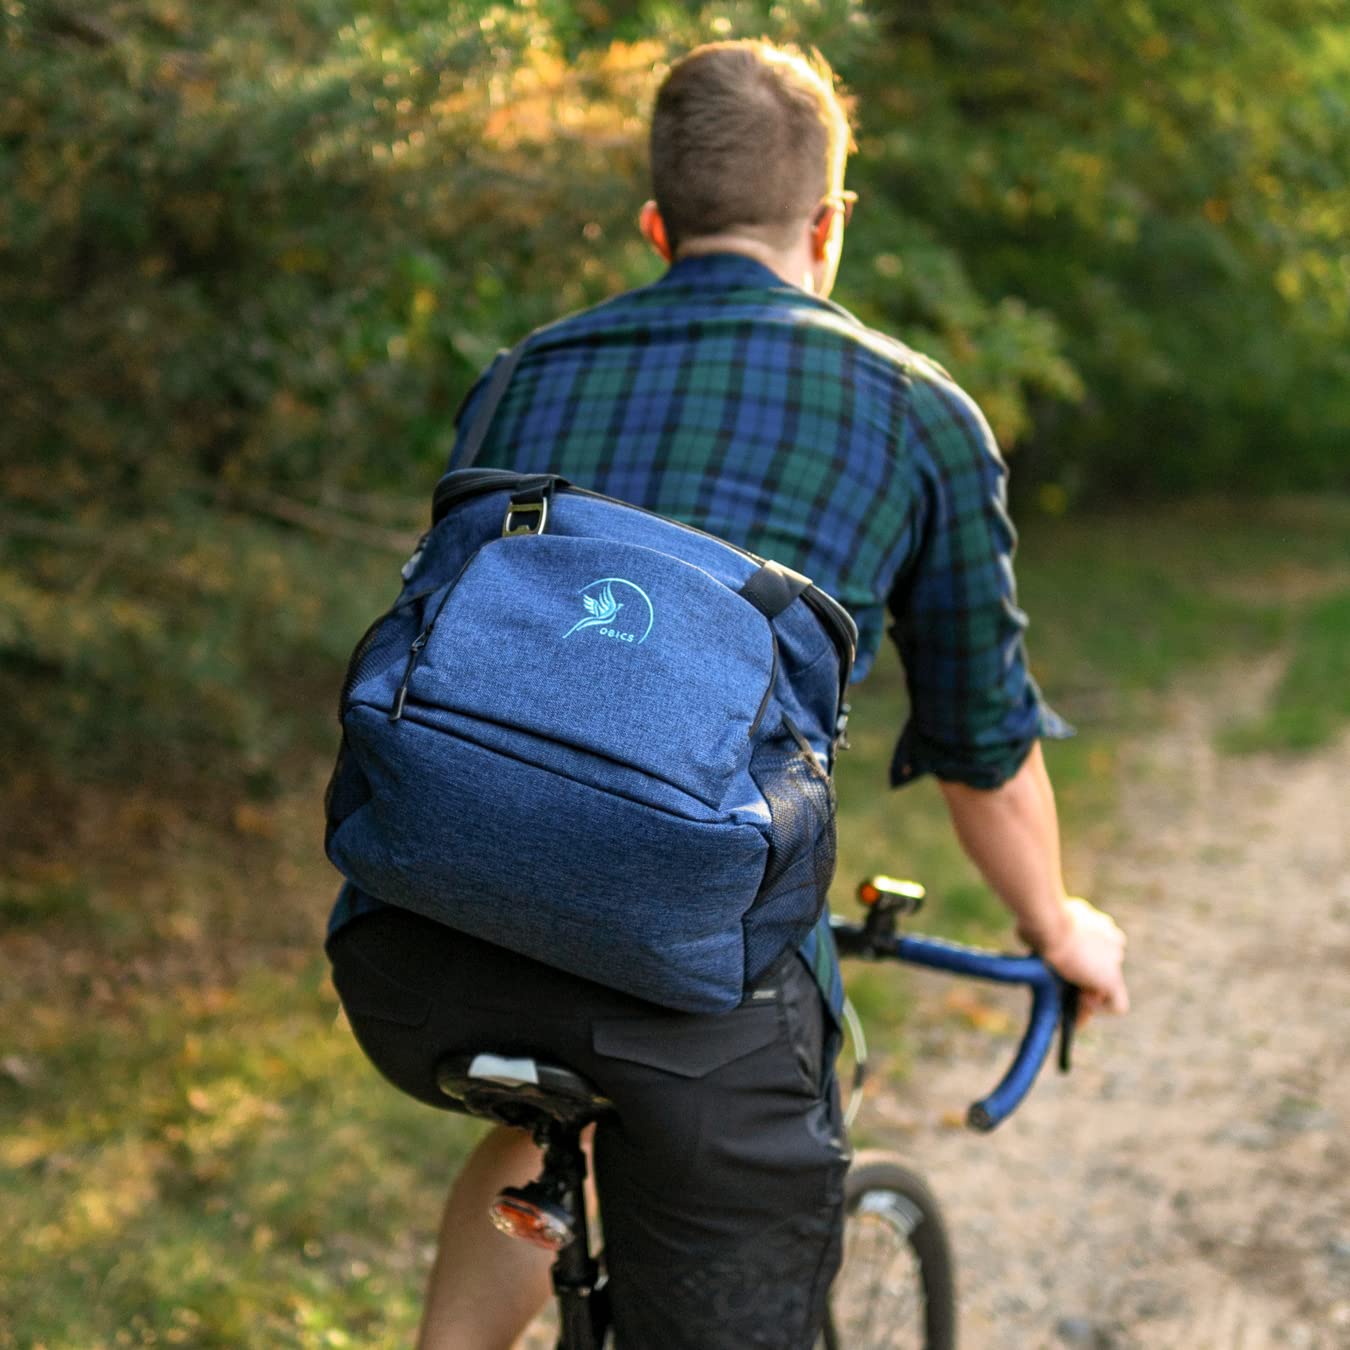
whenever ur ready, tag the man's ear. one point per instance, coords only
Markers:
(654, 229)
(821, 226)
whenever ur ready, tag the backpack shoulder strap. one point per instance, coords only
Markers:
(507, 361)
(506, 364)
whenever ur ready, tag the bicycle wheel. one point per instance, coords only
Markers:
(895, 1289)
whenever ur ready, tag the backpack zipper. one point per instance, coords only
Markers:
(414, 651)
(420, 641)
(768, 693)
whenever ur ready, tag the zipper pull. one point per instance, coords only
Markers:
(400, 698)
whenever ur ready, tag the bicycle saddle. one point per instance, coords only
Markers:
(519, 1090)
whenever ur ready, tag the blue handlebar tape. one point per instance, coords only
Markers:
(1045, 987)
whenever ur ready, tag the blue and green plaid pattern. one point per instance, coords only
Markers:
(722, 397)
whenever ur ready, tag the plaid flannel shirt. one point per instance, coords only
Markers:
(723, 397)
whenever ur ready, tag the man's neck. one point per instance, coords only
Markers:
(789, 265)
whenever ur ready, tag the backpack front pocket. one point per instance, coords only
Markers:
(564, 872)
(614, 649)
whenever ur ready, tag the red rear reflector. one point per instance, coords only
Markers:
(530, 1222)
(868, 893)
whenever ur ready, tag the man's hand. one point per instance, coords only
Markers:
(1089, 951)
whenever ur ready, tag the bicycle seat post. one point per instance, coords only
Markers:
(575, 1271)
(554, 1104)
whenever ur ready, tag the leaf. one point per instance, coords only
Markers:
(975, 1012)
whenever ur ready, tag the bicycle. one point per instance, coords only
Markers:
(897, 1274)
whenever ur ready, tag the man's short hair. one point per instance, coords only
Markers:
(746, 135)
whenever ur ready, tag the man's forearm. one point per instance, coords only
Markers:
(1011, 833)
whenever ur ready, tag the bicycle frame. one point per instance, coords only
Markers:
(583, 1310)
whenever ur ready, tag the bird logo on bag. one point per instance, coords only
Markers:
(602, 611)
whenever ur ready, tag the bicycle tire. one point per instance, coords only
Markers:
(896, 1288)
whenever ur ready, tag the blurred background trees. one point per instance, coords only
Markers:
(270, 246)
(251, 257)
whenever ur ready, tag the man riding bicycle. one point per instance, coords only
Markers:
(734, 396)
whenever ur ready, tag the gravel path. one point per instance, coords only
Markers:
(1188, 1186)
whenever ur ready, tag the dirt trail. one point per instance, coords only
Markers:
(1189, 1185)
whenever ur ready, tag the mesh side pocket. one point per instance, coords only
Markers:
(802, 850)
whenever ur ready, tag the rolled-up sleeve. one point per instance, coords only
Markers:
(975, 711)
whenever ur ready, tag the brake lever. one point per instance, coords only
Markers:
(1068, 1022)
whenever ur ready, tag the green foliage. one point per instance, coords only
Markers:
(252, 257)
(25, 905)
(190, 654)
(275, 245)
(1169, 184)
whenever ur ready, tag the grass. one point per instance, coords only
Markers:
(193, 1152)
(1311, 702)
(216, 1168)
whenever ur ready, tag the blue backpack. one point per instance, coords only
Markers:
(595, 736)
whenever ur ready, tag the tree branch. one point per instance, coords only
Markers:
(318, 521)
(58, 532)
(85, 27)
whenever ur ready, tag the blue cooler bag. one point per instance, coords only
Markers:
(597, 737)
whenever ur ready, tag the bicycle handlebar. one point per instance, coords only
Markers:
(1054, 1003)
(1045, 1017)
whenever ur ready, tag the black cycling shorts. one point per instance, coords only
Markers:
(721, 1176)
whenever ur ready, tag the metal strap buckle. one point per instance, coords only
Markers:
(538, 509)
